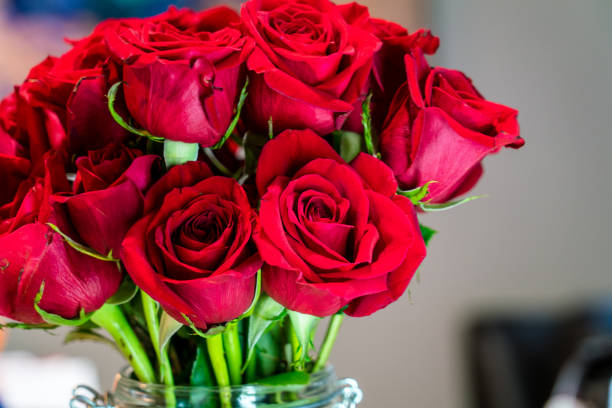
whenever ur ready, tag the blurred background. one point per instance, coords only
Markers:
(513, 283)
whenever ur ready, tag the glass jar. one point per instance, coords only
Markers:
(324, 390)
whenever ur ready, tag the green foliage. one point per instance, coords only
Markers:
(112, 96)
(234, 122)
(416, 195)
(56, 319)
(348, 144)
(427, 233)
(266, 312)
(286, 379)
(126, 292)
(447, 206)
(368, 130)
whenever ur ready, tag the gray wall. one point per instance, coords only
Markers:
(540, 241)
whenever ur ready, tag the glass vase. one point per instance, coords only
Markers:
(324, 390)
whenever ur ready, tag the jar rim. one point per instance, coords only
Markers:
(123, 379)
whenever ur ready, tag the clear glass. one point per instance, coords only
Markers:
(324, 390)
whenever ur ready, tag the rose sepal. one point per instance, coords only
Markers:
(127, 291)
(112, 96)
(82, 248)
(230, 129)
(52, 318)
(266, 312)
(416, 195)
(433, 207)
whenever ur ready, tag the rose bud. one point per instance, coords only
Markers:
(192, 251)
(332, 234)
(309, 66)
(183, 71)
(32, 254)
(440, 128)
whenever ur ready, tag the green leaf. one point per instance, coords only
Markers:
(417, 194)
(348, 144)
(427, 233)
(112, 96)
(56, 319)
(26, 326)
(88, 335)
(234, 122)
(286, 379)
(447, 206)
(178, 152)
(126, 292)
(266, 312)
(269, 351)
(82, 248)
(366, 121)
(253, 144)
(304, 326)
(167, 328)
(201, 370)
(270, 128)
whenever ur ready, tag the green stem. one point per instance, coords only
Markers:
(150, 309)
(328, 342)
(297, 349)
(217, 359)
(251, 370)
(231, 342)
(112, 319)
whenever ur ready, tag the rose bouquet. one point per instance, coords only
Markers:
(201, 188)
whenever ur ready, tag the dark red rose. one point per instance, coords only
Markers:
(309, 66)
(386, 78)
(192, 251)
(183, 71)
(62, 104)
(108, 195)
(31, 254)
(440, 128)
(14, 164)
(332, 234)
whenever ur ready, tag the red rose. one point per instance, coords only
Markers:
(14, 164)
(183, 71)
(309, 67)
(386, 78)
(440, 128)
(109, 195)
(332, 234)
(31, 254)
(62, 104)
(192, 251)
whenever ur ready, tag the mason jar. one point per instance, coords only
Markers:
(324, 390)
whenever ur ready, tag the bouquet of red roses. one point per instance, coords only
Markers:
(206, 185)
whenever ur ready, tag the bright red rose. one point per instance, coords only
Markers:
(183, 71)
(386, 78)
(440, 128)
(31, 254)
(309, 66)
(62, 104)
(192, 251)
(108, 195)
(332, 234)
